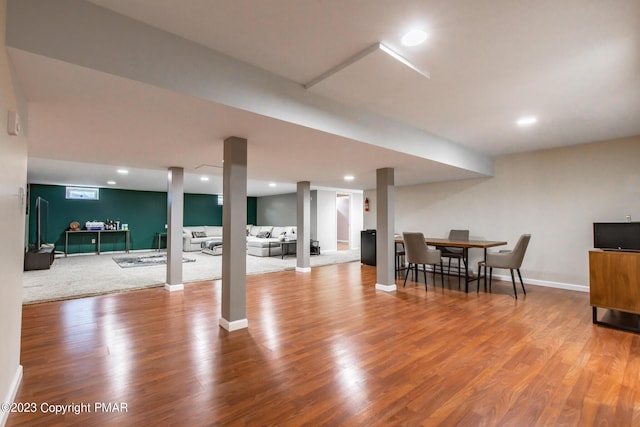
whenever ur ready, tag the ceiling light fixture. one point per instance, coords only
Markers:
(526, 121)
(204, 178)
(272, 184)
(348, 177)
(414, 37)
(111, 182)
(123, 171)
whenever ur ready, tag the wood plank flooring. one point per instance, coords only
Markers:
(326, 348)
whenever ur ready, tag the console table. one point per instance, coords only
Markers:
(99, 233)
(614, 283)
(160, 235)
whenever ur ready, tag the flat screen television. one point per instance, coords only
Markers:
(42, 222)
(616, 236)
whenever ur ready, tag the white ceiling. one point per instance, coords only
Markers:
(574, 64)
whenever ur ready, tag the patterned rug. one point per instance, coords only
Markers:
(145, 260)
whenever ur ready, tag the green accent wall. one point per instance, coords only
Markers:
(144, 211)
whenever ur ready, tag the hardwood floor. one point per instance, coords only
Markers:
(326, 348)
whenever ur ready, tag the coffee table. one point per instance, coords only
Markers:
(285, 248)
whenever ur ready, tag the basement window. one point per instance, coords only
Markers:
(83, 193)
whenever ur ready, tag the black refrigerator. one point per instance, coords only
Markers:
(368, 247)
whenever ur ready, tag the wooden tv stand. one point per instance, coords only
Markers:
(614, 283)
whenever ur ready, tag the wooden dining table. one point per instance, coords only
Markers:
(465, 245)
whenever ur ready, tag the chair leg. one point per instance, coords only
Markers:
(521, 282)
(441, 274)
(513, 280)
(407, 275)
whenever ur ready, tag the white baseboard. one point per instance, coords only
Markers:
(233, 326)
(386, 288)
(545, 283)
(535, 282)
(173, 288)
(303, 269)
(11, 394)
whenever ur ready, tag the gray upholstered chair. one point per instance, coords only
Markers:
(511, 259)
(452, 252)
(418, 253)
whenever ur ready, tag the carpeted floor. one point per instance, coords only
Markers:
(86, 275)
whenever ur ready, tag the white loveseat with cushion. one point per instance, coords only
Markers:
(194, 236)
(264, 240)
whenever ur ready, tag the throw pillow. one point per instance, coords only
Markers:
(263, 235)
(199, 234)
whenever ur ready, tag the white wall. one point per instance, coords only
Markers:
(13, 164)
(356, 212)
(326, 220)
(555, 195)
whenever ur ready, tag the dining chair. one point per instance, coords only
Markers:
(418, 253)
(458, 253)
(511, 259)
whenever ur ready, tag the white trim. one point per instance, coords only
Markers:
(362, 54)
(233, 326)
(11, 394)
(386, 288)
(303, 269)
(546, 283)
(173, 288)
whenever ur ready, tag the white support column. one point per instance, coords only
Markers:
(385, 223)
(234, 240)
(175, 212)
(303, 245)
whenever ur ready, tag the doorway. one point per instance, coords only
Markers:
(343, 224)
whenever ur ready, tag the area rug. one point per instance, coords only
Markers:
(144, 260)
(87, 275)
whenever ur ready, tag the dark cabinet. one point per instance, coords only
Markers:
(368, 247)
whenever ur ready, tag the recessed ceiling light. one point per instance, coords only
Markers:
(272, 184)
(526, 121)
(111, 182)
(348, 177)
(204, 178)
(123, 171)
(414, 38)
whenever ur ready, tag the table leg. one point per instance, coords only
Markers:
(465, 255)
(99, 242)
(484, 259)
(66, 242)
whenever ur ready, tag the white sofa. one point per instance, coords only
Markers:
(194, 236)
(264, 240)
